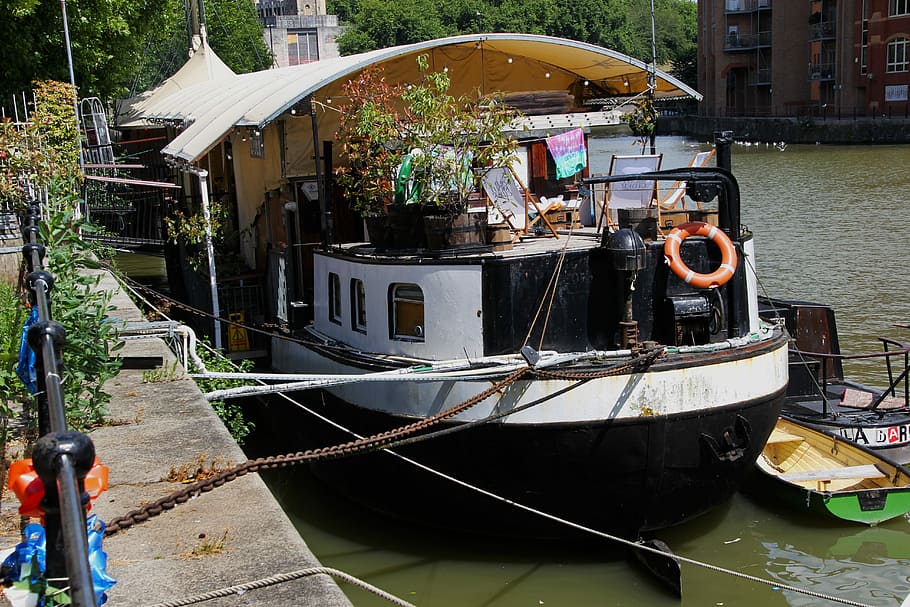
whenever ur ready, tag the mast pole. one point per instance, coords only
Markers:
(652, 78)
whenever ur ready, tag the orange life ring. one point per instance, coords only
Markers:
(728, 259)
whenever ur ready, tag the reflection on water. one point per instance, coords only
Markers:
(828, 228)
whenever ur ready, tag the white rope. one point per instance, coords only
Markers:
(280, 579)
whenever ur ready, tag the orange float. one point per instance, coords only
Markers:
(728, 259)
(25, 483)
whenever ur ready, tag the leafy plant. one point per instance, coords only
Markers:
(418, 143)
(231, 414)
(12, 316)
(82, 307)
(643, 119)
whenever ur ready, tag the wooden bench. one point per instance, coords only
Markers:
(865, 471)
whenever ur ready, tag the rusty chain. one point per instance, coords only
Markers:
(360, 445)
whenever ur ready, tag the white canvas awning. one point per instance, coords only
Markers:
(202, 66)
(489, 63)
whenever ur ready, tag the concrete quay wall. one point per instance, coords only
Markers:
(165, 424)
(844, 131)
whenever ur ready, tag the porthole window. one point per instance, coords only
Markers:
(406, 312)
(358, 305)
(334, 298)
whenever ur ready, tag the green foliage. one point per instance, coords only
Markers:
(643, 119)
(43, 153)
(382, 123)
(12, 317)
(119, 44)
(231, 414)
(622, 25)
(82, 308)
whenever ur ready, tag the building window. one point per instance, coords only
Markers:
(334, 298)
(358, 306)
(897, 55)
(899, 7)
(302, 47)
(406, 312)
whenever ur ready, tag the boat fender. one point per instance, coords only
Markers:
(406, 191)
(728, 261)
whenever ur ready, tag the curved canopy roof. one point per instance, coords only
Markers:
(490, 63)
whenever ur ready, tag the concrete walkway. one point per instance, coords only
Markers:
(168, 424)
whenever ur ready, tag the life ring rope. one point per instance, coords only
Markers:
(728, 261)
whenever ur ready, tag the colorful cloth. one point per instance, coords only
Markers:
(568, 151)
(26, 367)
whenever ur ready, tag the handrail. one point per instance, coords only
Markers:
(61, 458)
(902, 349)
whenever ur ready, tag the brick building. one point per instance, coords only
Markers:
(788, 57)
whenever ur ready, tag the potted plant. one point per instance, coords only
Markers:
(412, 151)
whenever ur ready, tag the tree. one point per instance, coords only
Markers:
(110, 38)
(381, 24)
(621, 25)
(107, 39)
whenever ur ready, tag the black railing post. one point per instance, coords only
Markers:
(62, 459)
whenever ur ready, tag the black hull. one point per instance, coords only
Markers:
(620, 477)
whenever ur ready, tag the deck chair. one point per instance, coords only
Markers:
(629, 194)
(676, 194)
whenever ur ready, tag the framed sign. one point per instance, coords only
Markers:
(503, 189)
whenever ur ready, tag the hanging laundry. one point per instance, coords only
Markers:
(568, 151)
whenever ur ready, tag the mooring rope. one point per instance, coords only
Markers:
(579, 527)
(581, 378)
(281, 578)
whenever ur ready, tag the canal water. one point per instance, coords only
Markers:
(830, 226)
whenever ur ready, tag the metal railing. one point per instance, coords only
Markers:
(61, 457)
(901, 349)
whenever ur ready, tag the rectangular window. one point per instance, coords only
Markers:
(334, 298)
(257, 147)
(899, 7)
(406, 312)
(897, 56)
(358, 306)
(302, 47)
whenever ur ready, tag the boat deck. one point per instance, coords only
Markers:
(579, 239)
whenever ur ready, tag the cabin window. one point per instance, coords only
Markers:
(334, 298)
(406, 312)
(358, 306)
(899, 7)
(897, 55)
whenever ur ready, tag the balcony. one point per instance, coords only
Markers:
(821, 71)
(745, 42)
(822, 30)
(760, 77)
(746, 6)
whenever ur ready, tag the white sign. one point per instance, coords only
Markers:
(884, 436)
(896, 92)
(506, 195)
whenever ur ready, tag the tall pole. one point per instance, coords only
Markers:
(69, 61)
(210, 252)
(652, 78)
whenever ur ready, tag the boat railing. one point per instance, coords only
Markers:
(900, 349)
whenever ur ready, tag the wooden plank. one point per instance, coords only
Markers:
(865, 471)
(779, 436)
(153, 184)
